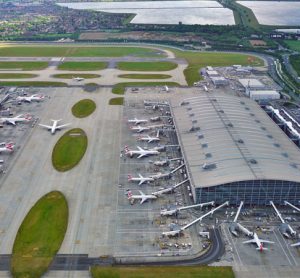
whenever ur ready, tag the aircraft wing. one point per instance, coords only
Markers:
(11, 121)
(141, 182)
(143, 200)
(295, 244)
(266, 241)
(141, 155)
(46, 126)
(249, 241)
(61, 126)
(140, 149)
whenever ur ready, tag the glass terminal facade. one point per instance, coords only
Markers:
(252, 192)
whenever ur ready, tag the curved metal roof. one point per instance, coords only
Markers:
(226, 139)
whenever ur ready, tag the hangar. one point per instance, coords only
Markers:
(234, 151)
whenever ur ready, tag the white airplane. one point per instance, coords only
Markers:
(259, 242)
(143, 197)
(35, 97)
(78, 79)
(140, 179)
(54, 126)
(140, 152)
(14, 120)
(149, 139)
(7, 147)
(137, 121)
(139, 128)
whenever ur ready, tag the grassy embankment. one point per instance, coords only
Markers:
(40, 236)
(69, 150)
(82, 66)
(146, 66)
(72, 75)
(144, 76)
(295, 62)
(83, 108)
(163, 272)
(119, 88)
(23, 65)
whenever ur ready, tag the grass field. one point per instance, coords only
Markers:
(119, 88)
(33, 83)
(294, 45)
(11, 75)
(7, 50)
(40, 236)
(83, 108)
(82, 66)
(146, 66)
(116, 101)
(163, 272)
(72, 75)
(295, 62)
(145, 76)
(69, 150)
(23, 65)
(198, 60)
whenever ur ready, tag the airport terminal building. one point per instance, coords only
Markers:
(235, 152)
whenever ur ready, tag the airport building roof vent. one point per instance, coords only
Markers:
(294, 165)
(252, 161)
(209, 166)
(194, 121)
(276, 145)
(184, 103)
(200, 135)
(204, 145)
(208, 155)
(241, 141)
(194, 128)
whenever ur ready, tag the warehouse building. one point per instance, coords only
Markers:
(264, 95)
(219, 81)
(234, 151)
(251, 84)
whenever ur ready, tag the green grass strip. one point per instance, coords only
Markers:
(82, 66)
(83, 108)
(145, 76)
(23, 65)
(33, 83)
(163, 272)
(146, 66)
(40, 236)
(10, 75)
(69, 150)
(7, 50)
(72, 75)
(116, 101)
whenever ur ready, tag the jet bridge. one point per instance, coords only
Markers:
(179, 231)
(284, 228)
(170, 212)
